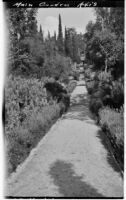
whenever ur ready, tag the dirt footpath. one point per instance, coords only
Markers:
(72, 160)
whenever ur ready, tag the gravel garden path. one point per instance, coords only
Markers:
(72, 160)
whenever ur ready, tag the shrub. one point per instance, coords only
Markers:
(113, 120)
(58, 92)
(22, 139)
(113, 91)
(105, 76)
(76, 75)
(95, 105)
(29, 115)
(117, 94)
(21, 97)
(87, 73)
(17, 148)
(55, 88)
(57, 66)
(91, 86)
(110, 92)
(66, 100)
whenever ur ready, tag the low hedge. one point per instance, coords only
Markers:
(112, 123)
(113, 120)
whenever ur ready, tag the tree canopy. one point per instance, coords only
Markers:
(105, 40)
(32, 54)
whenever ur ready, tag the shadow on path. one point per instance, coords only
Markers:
(69, 184)
(104, 140)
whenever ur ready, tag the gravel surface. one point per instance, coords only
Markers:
(72, 160)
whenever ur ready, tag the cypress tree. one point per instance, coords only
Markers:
(48, 35)
(66, 43)
(69, 46)
(75, 48)
(55, 36)
(41, 33)
(60, 36)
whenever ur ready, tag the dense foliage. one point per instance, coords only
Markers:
(58, 92)
(105, 40)
(104, 70)
(29, 113)
(22, 96)
(23, 138)
(105, 54)
(112, 122)
(33, 55)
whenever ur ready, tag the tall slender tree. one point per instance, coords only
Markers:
(41, 33)
(69, 46)
(55, 36)
(65, 42)
(75, 48)
(60, 36)
(48, 35)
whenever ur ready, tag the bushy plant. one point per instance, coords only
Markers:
(55, 88)
(109, 91)
(75, 74)
(22, 139)
(57, 66)
(100, 92)
(91, 86)
(117, 93)
(113, 90)
(87, 73)
(29, 115)
(58, 92)
(113, 120)
(21, 97)
(95, 105)
(104, 76)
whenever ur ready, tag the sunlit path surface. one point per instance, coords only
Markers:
(72, 160)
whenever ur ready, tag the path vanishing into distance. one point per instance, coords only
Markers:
(72, 160)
